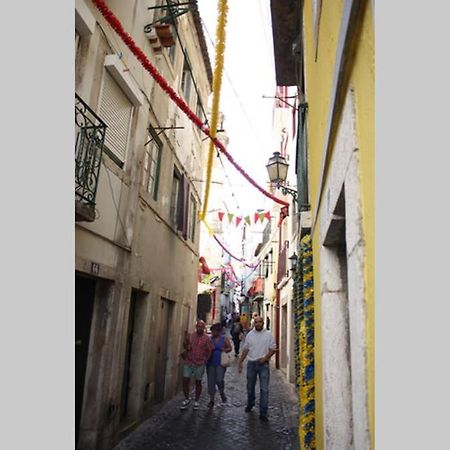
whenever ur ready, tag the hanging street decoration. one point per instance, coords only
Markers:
(258, 216)
(304, 304)
(162, 82)
(217, 84)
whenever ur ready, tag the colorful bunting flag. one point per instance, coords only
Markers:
(261, 216)
(221, 214)
(256, 217)
(230, 217)
(238, 220)
(268, 215)
(247, 220)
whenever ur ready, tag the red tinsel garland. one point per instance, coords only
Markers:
(234, 257)
(140, 55)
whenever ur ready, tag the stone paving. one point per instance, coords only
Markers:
(225, 426)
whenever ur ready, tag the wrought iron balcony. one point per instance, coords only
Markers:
(90, 133)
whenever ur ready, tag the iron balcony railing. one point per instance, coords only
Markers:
(90, 133)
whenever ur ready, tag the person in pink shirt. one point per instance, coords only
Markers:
(198, 348)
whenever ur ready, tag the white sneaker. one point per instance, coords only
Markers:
(185, 404)
(196, 405)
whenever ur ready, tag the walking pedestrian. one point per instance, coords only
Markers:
(259, 345)
(215, 371)
(198, 348)
(237, 335)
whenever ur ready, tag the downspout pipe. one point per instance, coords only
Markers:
(277, 304)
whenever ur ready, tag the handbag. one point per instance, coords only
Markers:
(225, 359)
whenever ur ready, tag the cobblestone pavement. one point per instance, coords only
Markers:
(226, 426)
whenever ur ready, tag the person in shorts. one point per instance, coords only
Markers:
(198, 348)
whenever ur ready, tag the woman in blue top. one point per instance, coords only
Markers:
(214, 370)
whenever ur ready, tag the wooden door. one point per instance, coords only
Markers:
(162, 349)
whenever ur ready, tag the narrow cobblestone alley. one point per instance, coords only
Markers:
(225, 426)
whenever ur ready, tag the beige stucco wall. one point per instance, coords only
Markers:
(132, 239)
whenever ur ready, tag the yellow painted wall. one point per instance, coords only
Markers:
(319, 80)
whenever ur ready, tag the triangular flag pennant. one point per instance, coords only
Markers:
(261, 216)
(238, 220)
(268, 215)
(256, 217)
(221, 214)
(230, 217)
(247, 220)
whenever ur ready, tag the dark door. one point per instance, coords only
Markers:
(124, 410)
(84, 306)
(161, 350)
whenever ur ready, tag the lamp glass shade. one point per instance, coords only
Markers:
(277, 168)
(293, 259)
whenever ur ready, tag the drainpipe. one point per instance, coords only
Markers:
(277, 302)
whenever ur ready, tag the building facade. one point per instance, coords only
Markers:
(326, 49)
(136, 201)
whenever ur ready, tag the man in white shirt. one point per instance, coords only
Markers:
(259, 345)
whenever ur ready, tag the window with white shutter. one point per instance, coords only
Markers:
(116, 111)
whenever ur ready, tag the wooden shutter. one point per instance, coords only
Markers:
(115, 111)
(183, 203)
(186, 195)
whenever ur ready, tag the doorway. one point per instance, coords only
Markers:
(165, 316)
(132, 368)
(84, 306)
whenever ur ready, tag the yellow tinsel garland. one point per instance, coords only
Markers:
(217, 84)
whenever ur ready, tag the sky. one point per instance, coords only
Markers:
(249, 74)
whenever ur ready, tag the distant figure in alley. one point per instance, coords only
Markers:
(237, 334)
(215, 370)
(259, 345)
(197, 351)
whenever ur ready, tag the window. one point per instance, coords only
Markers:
(175, 197)
(152, 163)
(171, 53)
(179, 202)
(199, 110)
(116, 111)
(193, 218)
(186, 79)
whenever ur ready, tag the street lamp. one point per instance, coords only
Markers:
(277, 168)
(293, 259)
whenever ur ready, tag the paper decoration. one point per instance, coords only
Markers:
(216, 89)
(180, 102)
(256, 217)
(268, 215)
(221, 214)
(238, 221)
(247, 220)
(261, 216)
(230, 217)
